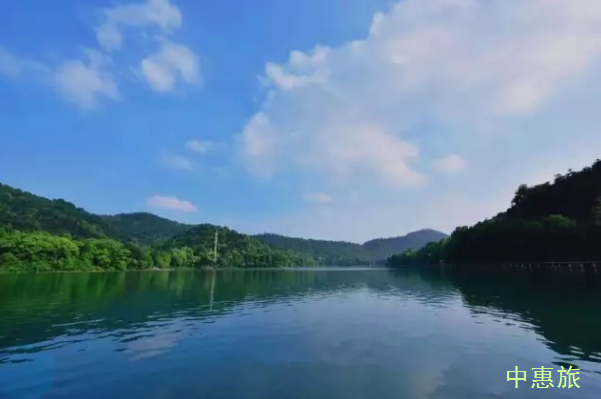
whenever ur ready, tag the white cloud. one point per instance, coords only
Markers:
(319, 198)
(490, 79)
(258, 142)
(350, 106)
(201, 146)
(12, 66)
(83, 82)
(451, 164)
(301, 69)
(172, 62)
(174, 161)
(159, 13)
(173, 203)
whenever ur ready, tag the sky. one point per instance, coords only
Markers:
(331, 119)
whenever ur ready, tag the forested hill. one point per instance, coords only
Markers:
(235, 249)
(38, 234)
(575, 195)
(24, 211)
(143, 227)
(348, 253)
(553, 221)
(325, 252)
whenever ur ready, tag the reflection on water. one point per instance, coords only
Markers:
(567, 316)
(293, 334)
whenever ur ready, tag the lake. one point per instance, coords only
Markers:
(279, 334)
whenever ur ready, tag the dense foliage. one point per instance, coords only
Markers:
(41, 251)
(39, 234)
(143, 227)
(24, 211)
(235, 249)
(324, 252)
(554, 221)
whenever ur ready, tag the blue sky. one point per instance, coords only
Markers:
(339, 119)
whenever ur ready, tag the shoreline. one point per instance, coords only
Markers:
(203, 269)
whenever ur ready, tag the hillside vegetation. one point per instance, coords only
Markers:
(235, 249)
(20, 210)
(143, 227)
(554, 221)
(348, 253)
(39, 234)
(324, 252)
(24, 211)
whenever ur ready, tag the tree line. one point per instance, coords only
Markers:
(554, 221)
(42, 252)
(38, 234)
(45, 252)
(54, 234)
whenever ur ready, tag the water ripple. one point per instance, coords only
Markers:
(315, 333)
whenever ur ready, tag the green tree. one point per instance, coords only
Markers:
(596, 213)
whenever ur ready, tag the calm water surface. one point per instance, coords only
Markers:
(269, 334)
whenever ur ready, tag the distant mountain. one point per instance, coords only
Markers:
(348, 253)
(382, 248)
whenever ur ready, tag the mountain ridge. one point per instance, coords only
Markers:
(25, 211)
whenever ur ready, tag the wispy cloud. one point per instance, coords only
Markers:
(302, 69)
(171, 63)
(14, 67)
(175, 161)
(201, 146)
(172, 203)
(484, 79)
(9, 64)
(82, 82)
(258, 144)
(451, 164)
(85, 81)
(426, 59)
(159, 13)
(317, 197)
